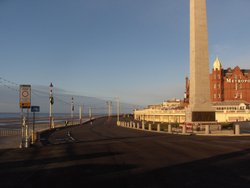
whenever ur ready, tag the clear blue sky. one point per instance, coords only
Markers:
(135, 49)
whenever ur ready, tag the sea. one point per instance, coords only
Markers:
(4, 115)
(13, 120)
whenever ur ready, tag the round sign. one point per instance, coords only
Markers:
(25, 93)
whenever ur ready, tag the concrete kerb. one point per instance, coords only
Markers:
(227, 135)
(169, 131)
(155, 131)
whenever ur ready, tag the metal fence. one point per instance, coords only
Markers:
(10, 132)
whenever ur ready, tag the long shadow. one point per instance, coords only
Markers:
(7, 166)
(87, 175)
(229, 170)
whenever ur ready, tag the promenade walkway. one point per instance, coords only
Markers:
(102, 154)
(10, 137)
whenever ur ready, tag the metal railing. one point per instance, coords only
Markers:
(10, 132)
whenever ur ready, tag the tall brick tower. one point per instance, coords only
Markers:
(200, 108)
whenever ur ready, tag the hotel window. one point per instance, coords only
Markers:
(218, 86)
(215, 76)
(214, 86)
(218, 76)
(218, 96)
(214, 96)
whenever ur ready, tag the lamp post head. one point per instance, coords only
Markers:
(51, 85)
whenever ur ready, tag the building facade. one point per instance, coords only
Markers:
(173, 112)
(229, 84)
(229, 92)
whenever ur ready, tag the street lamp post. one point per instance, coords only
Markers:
(72, 110)
(51, 102)
(109, 104)
(118, 111)
(80, 114)
(90, 115)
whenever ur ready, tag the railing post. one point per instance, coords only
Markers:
(149, 127)
(207, 129)
(158, 127)
(184, 129)
(169, 128)
(134, 125)
(237, 129)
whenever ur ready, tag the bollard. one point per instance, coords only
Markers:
(169, 128)
(158, 127)
(149, 127)
(184, 129)
(237, 129)
(143, 125)
(134, 125)
(207, 129)
(219, 127)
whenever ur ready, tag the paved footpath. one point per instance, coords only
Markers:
(104, 155)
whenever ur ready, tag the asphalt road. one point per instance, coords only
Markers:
(104, 155)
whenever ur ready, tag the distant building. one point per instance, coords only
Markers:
(229, 92)
(226, 85)
(169, 111)
(173, 111)
(229, 84)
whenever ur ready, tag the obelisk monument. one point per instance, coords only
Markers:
(200, 107)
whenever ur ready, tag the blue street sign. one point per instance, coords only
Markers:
(35, 108)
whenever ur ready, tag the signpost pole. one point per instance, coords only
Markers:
(27, 123)
(21, 144)
(25, 102)
(33, 129)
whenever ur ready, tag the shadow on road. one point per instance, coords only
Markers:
(228, 170)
